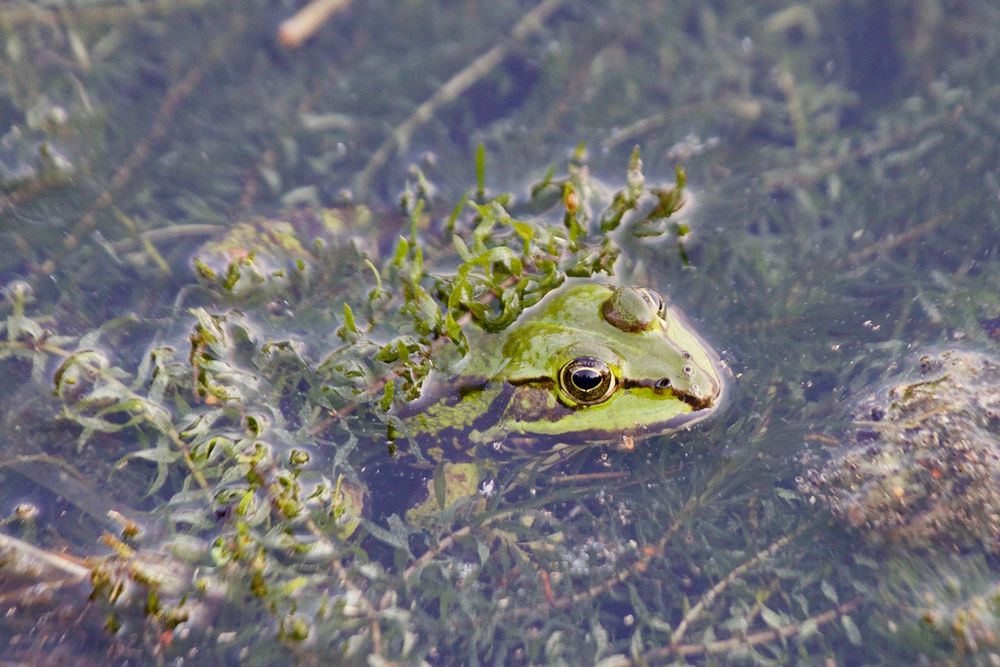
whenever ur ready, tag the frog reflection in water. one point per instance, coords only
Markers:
(590, 363)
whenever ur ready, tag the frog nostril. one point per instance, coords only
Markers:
(662, 383)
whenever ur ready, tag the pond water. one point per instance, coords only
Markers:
(201, 460)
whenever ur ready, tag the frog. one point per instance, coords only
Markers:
(592, 363)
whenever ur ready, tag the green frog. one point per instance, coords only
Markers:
(590, 363)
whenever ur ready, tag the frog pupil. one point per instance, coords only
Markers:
(586, 379)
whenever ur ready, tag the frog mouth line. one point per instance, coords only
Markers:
(697, 403)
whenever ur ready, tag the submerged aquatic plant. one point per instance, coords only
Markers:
(258, 525)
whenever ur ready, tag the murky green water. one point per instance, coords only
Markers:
(843, 197)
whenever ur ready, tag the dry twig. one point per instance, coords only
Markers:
(293, 32)
(754, 639)
(709, 597)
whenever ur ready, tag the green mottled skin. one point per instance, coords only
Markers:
(508, 387)
(458, 413)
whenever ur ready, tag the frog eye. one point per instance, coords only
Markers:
(587, 380)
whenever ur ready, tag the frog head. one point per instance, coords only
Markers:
(588, 363)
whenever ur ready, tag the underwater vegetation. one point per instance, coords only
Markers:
(229, 266)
